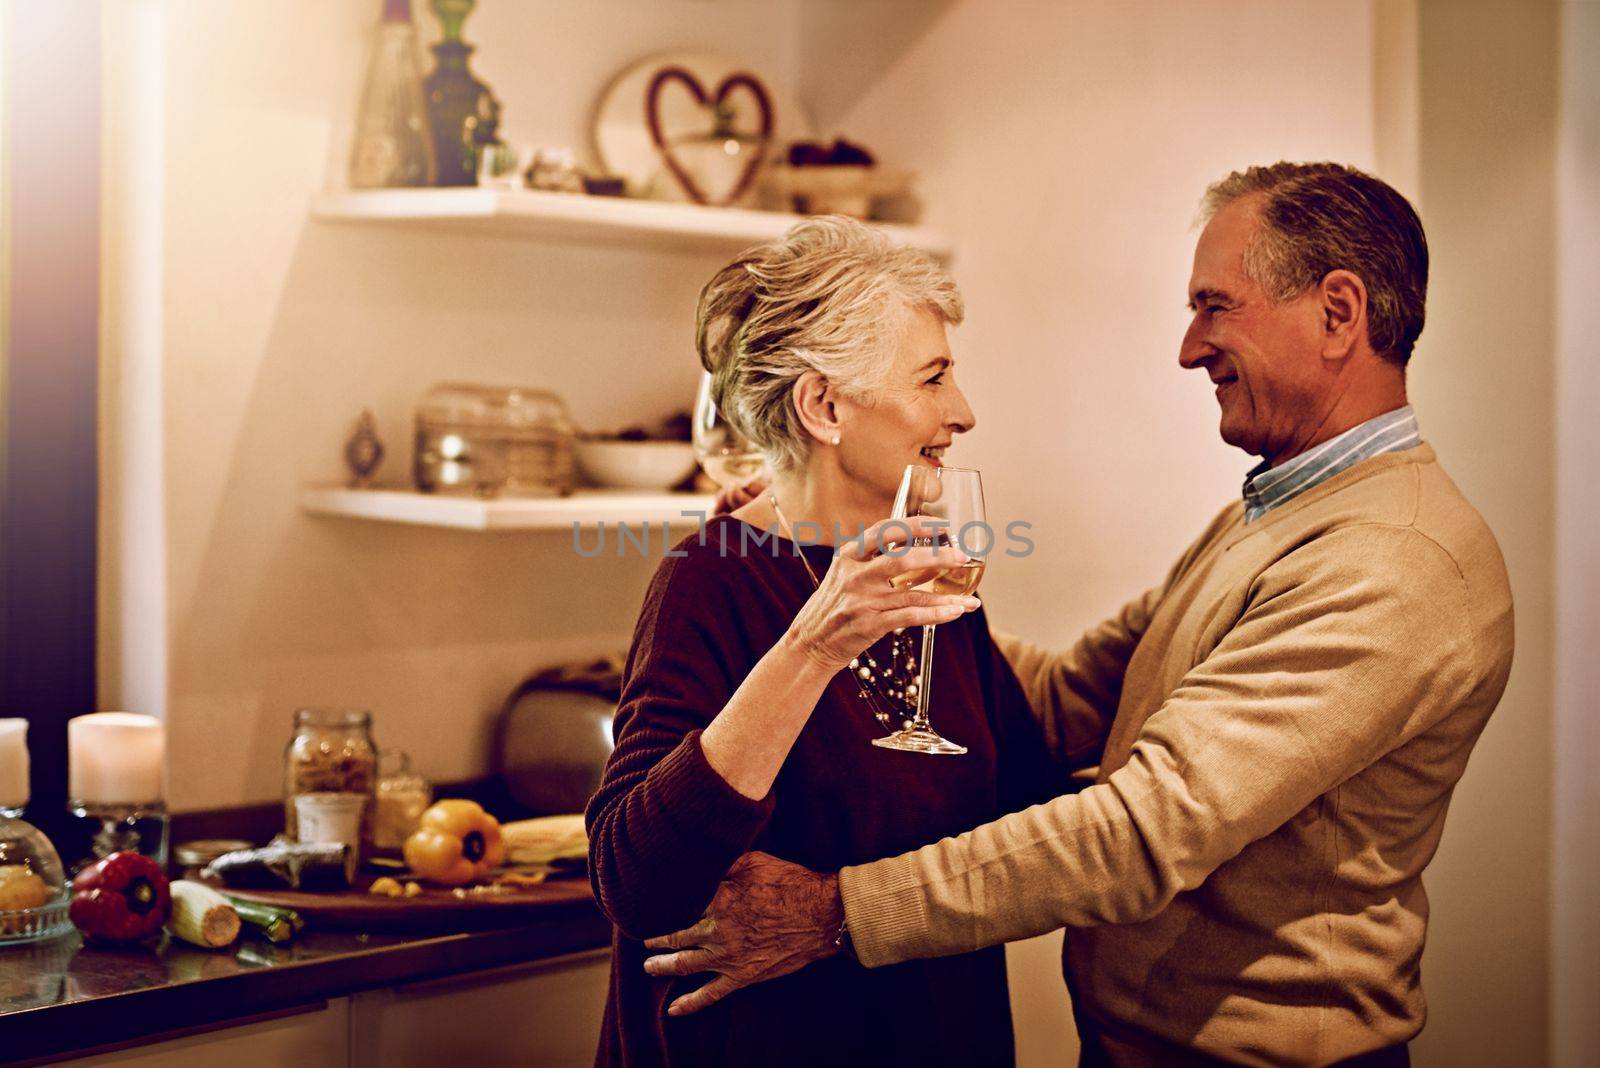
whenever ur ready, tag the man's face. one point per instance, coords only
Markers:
(1265, 357)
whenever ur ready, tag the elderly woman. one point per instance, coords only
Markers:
(742, 726)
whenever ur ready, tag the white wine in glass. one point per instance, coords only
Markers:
(724, 454)
(960, 580)
(955, 495)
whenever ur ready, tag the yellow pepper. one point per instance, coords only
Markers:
(456, 842)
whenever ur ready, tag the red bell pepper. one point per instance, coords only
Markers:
(123, 898)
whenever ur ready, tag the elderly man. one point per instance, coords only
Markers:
(1278, 726)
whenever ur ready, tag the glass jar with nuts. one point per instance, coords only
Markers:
(331, 751)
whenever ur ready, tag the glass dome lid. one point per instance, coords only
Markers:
(494, 406)
(33, 885)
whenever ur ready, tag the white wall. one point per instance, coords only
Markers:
(1575, 921)
(132, 610)
(1484, 385)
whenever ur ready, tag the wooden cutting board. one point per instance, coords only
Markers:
(436, 909)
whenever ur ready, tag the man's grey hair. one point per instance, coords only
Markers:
(1322, 217)
(832, 296)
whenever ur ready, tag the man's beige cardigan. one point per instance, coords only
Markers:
(1278, 727)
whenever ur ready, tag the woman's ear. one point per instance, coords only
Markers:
(1344, 314)
(814, 401)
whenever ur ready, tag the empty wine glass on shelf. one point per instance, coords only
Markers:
(724, 454)
(955, 495)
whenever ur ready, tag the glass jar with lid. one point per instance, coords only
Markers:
(403, 796)
(331, 752)
(493, 441)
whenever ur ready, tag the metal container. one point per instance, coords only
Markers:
(493, 441)
(193, 856)
(553, 737)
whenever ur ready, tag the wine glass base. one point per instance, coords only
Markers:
(919, 740)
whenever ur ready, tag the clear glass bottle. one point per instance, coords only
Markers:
(331, 751)
(393, 142)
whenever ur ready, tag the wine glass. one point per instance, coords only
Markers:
(954, 494)
(724, 454)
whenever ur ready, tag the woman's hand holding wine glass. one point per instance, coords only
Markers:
(865, 593)
(950, 500)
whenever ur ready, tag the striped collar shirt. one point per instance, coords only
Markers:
(1266, 488)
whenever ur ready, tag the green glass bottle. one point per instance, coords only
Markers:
(463, 112)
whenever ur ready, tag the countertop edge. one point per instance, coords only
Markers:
(80, 1028)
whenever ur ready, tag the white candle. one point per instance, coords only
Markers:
(115, 758)
(13, 763)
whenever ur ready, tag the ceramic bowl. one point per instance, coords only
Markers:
(646, 465)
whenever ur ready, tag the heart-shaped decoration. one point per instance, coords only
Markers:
(715, 100)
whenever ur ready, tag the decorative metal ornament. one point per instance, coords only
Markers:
(722, 156)
(363, 452)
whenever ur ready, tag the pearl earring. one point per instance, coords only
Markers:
(836, 439)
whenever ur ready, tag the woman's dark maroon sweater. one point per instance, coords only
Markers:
(664, 827)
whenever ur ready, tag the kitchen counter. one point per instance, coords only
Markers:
(62, 998)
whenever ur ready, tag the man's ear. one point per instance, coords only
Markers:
(814, 401)
(1344, 314)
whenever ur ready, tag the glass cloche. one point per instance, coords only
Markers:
(33, 886)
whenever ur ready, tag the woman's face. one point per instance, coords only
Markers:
(914, 417)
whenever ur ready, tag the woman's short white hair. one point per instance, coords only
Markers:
(832, 296)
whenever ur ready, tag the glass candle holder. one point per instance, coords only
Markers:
(115, 765)
(13, 767)
(123, 828)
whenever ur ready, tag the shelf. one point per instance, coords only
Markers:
(587, 508)
(572, 216)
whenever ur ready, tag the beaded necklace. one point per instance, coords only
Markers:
(864, 669)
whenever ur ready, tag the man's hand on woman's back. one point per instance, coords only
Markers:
(769, 917)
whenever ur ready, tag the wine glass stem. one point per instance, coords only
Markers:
(924, 679)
